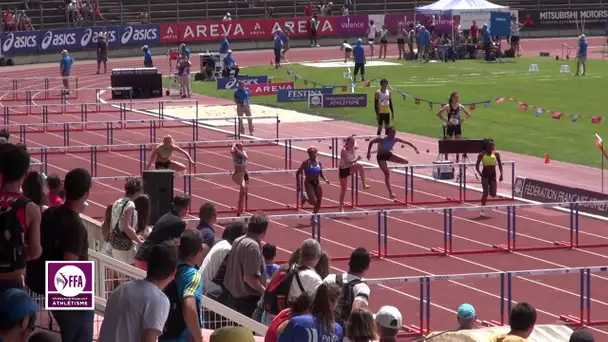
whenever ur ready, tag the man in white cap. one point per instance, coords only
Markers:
(147, 57)
(581, 56)
(65, 67)
(230, 65)
(466, 317)
(389, 323)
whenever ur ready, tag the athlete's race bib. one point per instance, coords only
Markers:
(454, 120)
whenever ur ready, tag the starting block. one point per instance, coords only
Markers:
(565, 69)
(533, 68)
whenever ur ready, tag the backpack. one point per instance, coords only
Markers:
(12, 237)
(175, 325)
(220, 292)
(35, 273)
(275, 297)
(347, 297)
(119, 240)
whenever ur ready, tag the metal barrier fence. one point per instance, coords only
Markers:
(58, 94)
(109, 127)
(406, 232)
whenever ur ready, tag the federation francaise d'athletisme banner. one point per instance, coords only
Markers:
(25, 42)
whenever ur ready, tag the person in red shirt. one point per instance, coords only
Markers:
(474, 32)
(25, 226)
(308, 10)
(9, 20)
(298, 306)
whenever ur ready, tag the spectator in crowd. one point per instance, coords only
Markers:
(230, 65)
(474, 32)
(327, 9)
(55, 193)
(207, 215)
(142, 207)
(24, 23)
(17, 315)
(308, 10)
(185, 318)
(356, 292)
(102, 51)
(123, 237)
(105, 230)
(88, 12)
(466, 317)
(319, 321)
(360, 327)
(297, 307)
(269, 252)
(322, 267)
(217, 254)
(170, 226)
(522, 320)
(137, 310)
(389, 321)
(8, 20)
(232, 334)
(64, 237)
(269, 11)
(65, 67)
(144, 17)
(21, 218)
(245, 278)
(227, 17)
(344, 10)
(5, 134)
(581, 335)
(44, 336)
(33, 188)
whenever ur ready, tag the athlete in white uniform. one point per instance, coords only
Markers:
(349, 165)
(371, 37)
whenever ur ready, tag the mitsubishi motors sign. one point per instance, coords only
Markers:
(268, 88)
(253, 29)
(587, 18)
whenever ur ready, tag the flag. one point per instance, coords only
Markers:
(596, 119)
(523, 106)
(366, 84)
(539, 111)
(305, 82)
(343, 89)
(472, 106)
(417, 101)
(431, 105)
(404, 96)
(486, 104)
(500, 100)
(557, 116)
(575, 118)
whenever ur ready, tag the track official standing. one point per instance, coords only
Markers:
(359, 57)
(102, 51)
(278, 46)
(224, 47)
(65, 67)
(147, 57)
(242, 100)
(425, 41)
(581, 56)
(487, 40)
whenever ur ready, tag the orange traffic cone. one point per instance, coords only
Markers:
(547, 159)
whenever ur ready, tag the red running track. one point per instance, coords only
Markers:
(552, 296)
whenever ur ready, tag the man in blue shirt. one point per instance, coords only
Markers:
(230, 65)
(207, 216)
(487, 41)
(224, 47)
(581, 56)
(147, 57)
(359, 57)
(185, 321)
(65, 67)
(425, 41)
(241, 98)
(278, 46)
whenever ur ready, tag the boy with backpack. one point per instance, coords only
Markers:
(19, 218)
(355, 292)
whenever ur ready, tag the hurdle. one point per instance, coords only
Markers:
(83, 109)
(64, 95)
(17, 83)
(153, 125)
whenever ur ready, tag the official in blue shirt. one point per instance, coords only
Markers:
(230, 65)
(278, 46)
(425, 41)
(241, 98)
(224, 46)
(359, 57)
(488, 42)
(184, 50)
(147, 57)
(581, 56)
(65, 67)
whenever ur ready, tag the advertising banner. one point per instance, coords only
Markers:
(352, 25)
(565, 19)
(233, 82)
(15, 43)
(301, 95)
(253, 29)
(268, 88)
(78, 38)
(500, 24)
(544, 192)
(443, 23)
(337, 100)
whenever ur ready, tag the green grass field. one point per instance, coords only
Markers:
(512, 129)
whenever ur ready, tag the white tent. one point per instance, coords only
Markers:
(457, 7)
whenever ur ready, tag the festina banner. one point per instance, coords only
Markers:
(567, 19)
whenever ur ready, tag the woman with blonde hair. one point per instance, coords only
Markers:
(360, 327)
(240, 176)
(349, 165)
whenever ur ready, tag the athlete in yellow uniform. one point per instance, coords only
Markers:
(384, 106)
(489, 159)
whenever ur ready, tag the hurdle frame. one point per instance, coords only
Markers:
(30, 94)
(46, 81)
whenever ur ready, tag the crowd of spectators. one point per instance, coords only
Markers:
(300, 301)
(14, 19)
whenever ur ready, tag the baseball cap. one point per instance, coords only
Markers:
(389, 317)
(466, 311)
(582, 335)
(15, 305)
(232, 334)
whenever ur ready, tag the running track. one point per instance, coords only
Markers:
(552, 296)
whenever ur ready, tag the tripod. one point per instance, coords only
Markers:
(465, 158)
